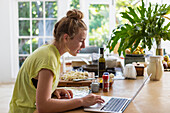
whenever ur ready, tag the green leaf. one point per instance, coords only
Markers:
(114, 42)
(120, 46)
(136, 44)
(126, 16)
(143, 9)
(156, 9)
(166, 27)
(132, 12)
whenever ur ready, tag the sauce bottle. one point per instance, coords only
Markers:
(101, 63)
(105, 82)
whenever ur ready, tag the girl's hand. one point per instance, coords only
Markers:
(92, 99)
(63, 94)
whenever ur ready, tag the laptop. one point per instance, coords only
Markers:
(114, 104)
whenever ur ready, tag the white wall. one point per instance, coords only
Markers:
(5, 46)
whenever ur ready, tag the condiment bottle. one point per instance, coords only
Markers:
(105, 84)
(101, 63)
(95, 86)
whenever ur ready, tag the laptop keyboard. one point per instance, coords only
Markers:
(114, 104)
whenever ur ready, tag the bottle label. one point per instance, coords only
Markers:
(101, 55)
(102, 65)
(101, 68)
(106, 87)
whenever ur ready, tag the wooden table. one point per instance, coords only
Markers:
(153, 98)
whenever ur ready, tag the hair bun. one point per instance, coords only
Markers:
(75, 14)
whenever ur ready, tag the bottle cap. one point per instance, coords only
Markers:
(105, 73)
(101, 50)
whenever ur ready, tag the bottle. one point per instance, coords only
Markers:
(105, 84)
(95, 86)
(101, 63)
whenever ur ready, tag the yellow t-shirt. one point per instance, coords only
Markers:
(24, 94)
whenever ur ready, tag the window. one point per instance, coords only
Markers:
(98, 24)
(35, 21)
(121, 5)
(99, 17)
(74, 4)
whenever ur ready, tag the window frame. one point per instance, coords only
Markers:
(84, 7)
(15, 28)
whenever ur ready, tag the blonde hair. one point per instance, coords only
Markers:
(71, 24)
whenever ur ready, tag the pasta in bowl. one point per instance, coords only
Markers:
(69, 76)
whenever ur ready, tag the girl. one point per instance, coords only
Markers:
(39, 74)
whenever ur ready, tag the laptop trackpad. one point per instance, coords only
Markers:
(98, 106)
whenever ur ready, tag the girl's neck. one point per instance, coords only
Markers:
(59, 47)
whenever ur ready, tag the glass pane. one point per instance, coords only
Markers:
(166, 2)
(48, 40)
(166, 45)
(98, 25)
(21, 60)
(121, 6)
(24, 28)
(24, 46)
(37, 28)
(37, 9)
(49, 27)
(23, 9)
(51, 9)
(156, 1)
(36, 43)
(74, 4)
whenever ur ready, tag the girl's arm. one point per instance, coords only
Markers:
(45, 103)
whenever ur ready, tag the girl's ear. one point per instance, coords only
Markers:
(66, 37)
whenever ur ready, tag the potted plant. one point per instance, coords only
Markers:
(145, 26)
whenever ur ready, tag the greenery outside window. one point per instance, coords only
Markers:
(121, 5)
(35, 22)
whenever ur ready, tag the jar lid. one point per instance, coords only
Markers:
(139, 65)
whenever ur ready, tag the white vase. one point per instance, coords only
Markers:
(155, 67)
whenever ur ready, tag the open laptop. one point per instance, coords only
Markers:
(114, 104)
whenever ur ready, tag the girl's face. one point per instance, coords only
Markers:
(77, 43)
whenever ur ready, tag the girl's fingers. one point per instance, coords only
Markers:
(57, 94)
(99, 99)
(71, 93)
(67, 94)
(63, 93)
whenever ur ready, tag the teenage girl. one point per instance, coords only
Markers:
(39, 75)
